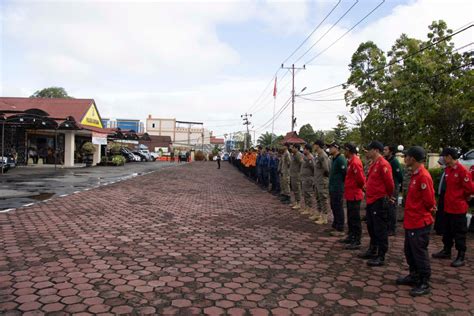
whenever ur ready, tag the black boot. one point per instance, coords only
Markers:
(459, 262)
(369, 254)
(411, 280)
(422, 288)
(346, 240)
(286, 200)
(377, 261)
(443, 254)
(354, 245)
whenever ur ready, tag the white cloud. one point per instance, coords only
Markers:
(166, 58)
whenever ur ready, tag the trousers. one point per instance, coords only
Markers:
(377, 225)
(416, 251)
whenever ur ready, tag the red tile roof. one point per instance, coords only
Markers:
(292, 138)
(57, 108)
(216, 141)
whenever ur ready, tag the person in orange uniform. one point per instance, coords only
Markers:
(353, 186)
(379, 190)
(459, 188)
(419, 207)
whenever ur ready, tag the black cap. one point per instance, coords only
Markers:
(334, 144)
(448, 151)
(392, 149)
(351, 147)
(375, 145)
(416, 152)
(320, 143)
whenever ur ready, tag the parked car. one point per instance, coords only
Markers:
(154, 155)
(147, 154)
(467, 160)
(129, 156)
(5, 166)
(9, 160)
(142, 156)
(226, 157)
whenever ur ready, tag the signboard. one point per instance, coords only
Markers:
(99, 139)
(126, 141)
(92, 117)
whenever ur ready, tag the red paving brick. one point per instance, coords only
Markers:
(194, 240)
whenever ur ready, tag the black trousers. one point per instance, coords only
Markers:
(455, 228)
(377, 225)
(392, 214)
(416, 251)
(218, 163)
(336, 200)
(353, 220)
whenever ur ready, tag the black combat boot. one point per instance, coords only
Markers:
(287, 200)
(354, 245)
(346, 240)
(422, 288)
(369, 254)
(411, 280)
(459, 262)
(443, 254)
(377, 261)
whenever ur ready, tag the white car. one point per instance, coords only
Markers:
(467, 160)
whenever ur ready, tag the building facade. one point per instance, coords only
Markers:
(124, 124)
(180, 132)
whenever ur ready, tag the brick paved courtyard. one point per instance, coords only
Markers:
(196, 240)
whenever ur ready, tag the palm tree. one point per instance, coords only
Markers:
(266, 139)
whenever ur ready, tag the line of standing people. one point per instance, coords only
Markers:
(308, 172)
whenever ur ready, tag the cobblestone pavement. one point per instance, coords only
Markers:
(196, 240)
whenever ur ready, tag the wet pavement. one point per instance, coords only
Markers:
(25, 185)
(201, 241)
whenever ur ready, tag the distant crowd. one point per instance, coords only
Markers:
(328, 174)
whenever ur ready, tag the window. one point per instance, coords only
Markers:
(153, 125)
(470, 155)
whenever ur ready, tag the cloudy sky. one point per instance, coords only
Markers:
(203, 61)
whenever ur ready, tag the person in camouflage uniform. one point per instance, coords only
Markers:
(284, 172)
(295, 174)
(307, 178)
(321, 183)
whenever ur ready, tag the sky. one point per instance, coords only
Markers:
(204, 61)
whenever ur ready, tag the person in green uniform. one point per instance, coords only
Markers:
(397, 174)
(307, 178)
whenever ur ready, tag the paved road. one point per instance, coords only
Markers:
(199, 241)
(25, 185)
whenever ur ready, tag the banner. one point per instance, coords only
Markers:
(99, 139)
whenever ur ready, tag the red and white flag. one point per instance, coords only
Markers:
(275, 88)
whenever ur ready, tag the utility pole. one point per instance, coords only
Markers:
(292, 68)
(245, 117)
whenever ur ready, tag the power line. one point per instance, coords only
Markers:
(309, 36)
(321, 100)
(397, 60)
(324, 35)
(305, 40)
(347, 32)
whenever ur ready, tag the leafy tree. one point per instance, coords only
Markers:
(307, 133)
(266, 139)
(425, 99)
(341, 129)
(51, 92)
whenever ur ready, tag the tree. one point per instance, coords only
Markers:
(266, 139)
(341, 129)
(423, 97)
(307, 133)
(51, 92)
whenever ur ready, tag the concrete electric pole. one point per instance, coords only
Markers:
(245, 117)
(292, 68)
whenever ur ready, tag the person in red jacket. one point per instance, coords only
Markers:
(459, 188)
(354, 183)
(419, 207)
(378, 193)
